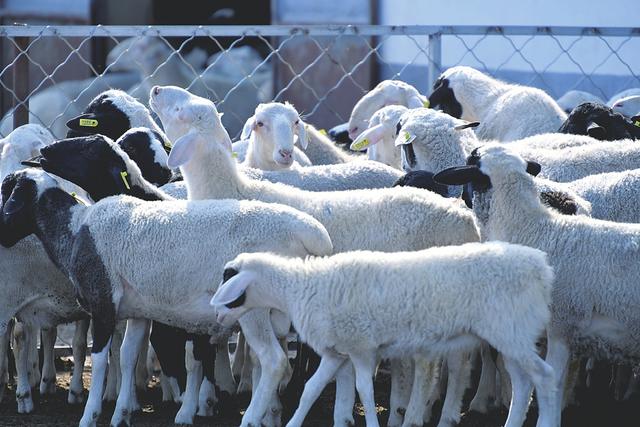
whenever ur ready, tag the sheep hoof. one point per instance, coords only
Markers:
(75, 397)
(25, 403)
(47, 386)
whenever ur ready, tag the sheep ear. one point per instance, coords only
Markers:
(302, 134)
(233, 289)
(404, 138)
(467, 125)
(248, 127)
(458, 175)
(183, 149)
(367, 138)
(33, 162)
(533, 168)
(596, 131)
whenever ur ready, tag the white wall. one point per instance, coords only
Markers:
(542, 53)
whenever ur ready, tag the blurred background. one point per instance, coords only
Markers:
(322, 75)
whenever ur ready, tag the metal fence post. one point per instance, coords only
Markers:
(435, 58)
(21, 83)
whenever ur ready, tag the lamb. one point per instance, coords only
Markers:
(94, 247)
(594, 307)
(34, 291)
(91, 164)
(347, 176)
(432, 140)
(387, 92)
(571, 99)
(506, 112)
(628, 106)
(408, 283)
(600, 122)
(202, 150)
(379, 138)
(271, 135)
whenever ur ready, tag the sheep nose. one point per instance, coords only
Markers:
(286, 154)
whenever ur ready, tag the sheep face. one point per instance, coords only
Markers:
(145, 147)
(379, 138)
(443, 97)
(94, 163)
(274, 127)
(629, 106)
(20, 192)
(388, 92)
(106, 115)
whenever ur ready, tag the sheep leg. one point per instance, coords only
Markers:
(260, 335)
(634, 383)
(207, 397)
(224, 383)
(520, 393)
(194, 379)
(102, 331)
(401, 370)
(246, 383)
(238, 356)
(142, 375)
(329, 365)
(129, 354)
(79, 349)
(345, 396)
(23, 339)
(114, 377)
(424, 383)
(169, 344)
(365, 366)
(34, 355)
(487, 386)
(456, 384)
(5, 337)
(48, 342)
(558, 355)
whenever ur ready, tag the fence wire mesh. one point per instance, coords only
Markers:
(50, 74)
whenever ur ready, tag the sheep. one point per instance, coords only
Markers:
(387, 92)
(338, 289)
(572, 98)
(422, 179)
(347, 176)
(33, 289)
(600, 122)
(271, 135)
(201, 140)
(432, 140)
(594, 296)
(379, 138)
(628, 106)
(90, 163)
(340, 134)
(624, 94)
(506, 112)
(93, 246)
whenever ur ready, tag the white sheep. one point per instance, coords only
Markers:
(594, 297)
(354, 219)
(572, 98)
(379, 138)
(93, 245)
(628, 106)
(387, 92)
(271, 133)
(372, 305)
(506, 112)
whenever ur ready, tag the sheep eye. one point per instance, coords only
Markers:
(228, 273)
(297, 122)
(260, 124)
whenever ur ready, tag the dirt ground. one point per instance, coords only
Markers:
(595, 411)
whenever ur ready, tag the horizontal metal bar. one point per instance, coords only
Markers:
(314, 30)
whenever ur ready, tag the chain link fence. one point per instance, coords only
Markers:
(49, 74)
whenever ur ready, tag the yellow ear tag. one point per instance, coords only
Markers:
(426, 103)
(323, 132)
(78, 199)
(357, 146)
(88, 123)
(637, 123)
(234, 154)
(124, 175)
